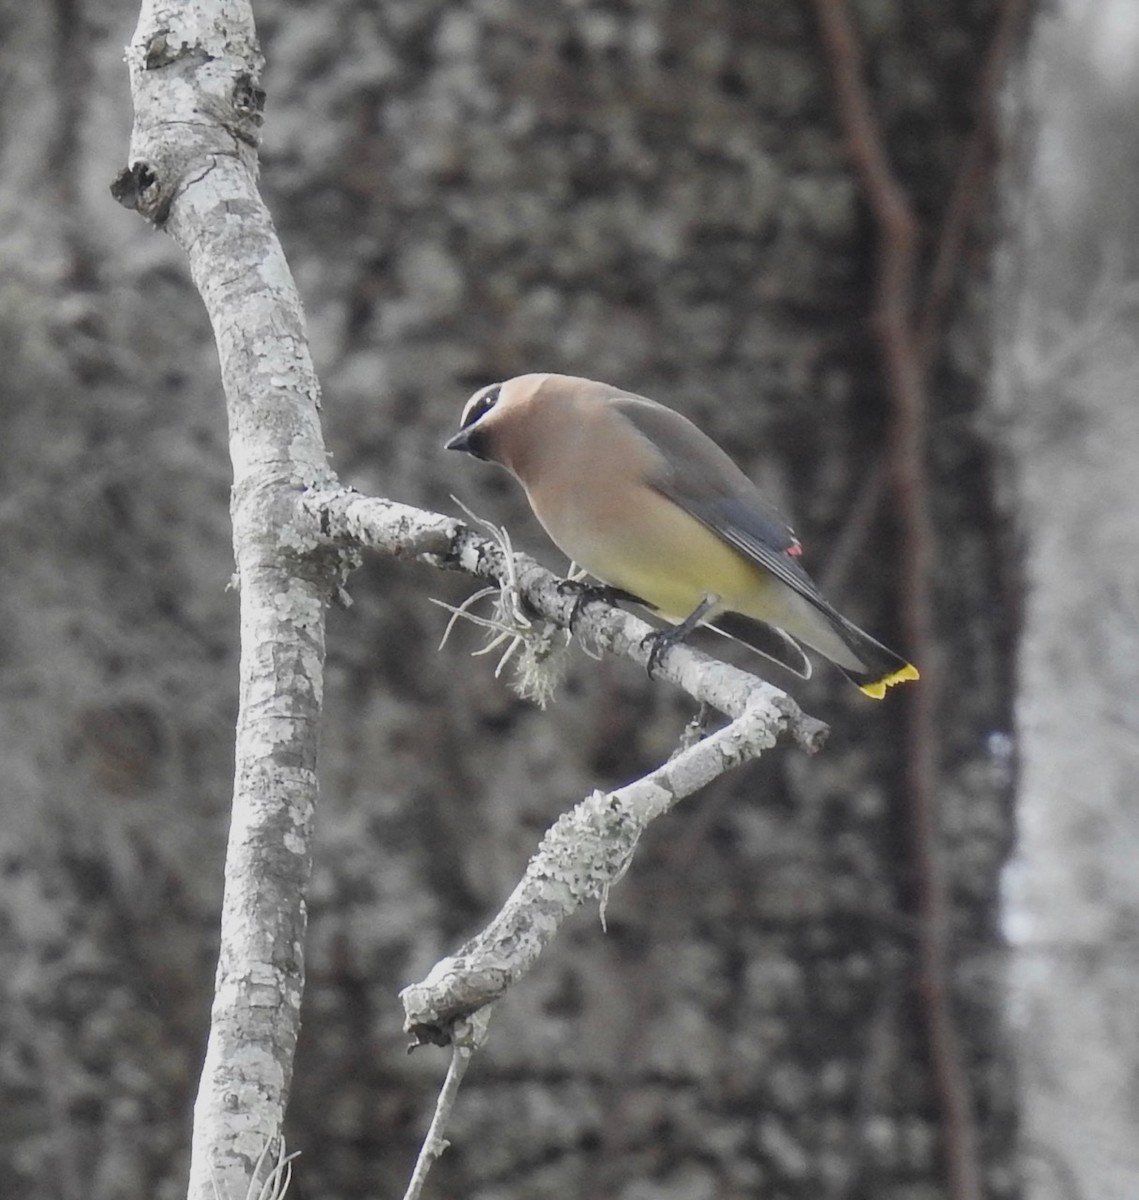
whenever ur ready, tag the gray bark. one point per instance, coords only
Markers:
(195, 73)
(1066, 398)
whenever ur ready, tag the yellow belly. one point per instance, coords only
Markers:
(669, 559)
(661, 554)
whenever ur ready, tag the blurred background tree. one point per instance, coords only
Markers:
(654, 193)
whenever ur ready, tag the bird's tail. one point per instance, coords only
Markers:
(764, 639)
(881, 667)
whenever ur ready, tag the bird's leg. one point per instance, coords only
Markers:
(660, 641)
(695, 730)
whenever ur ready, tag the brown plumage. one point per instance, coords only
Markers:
(645, 502)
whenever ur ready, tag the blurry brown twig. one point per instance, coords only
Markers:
(974, 174)
(970, 187)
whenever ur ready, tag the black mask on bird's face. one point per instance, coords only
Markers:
(471, 439)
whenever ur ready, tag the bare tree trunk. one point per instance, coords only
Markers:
(195, 80)
(1068, 366)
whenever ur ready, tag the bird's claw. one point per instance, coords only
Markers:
(586, 593)
(658, 642)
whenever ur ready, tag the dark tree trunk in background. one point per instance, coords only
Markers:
(650, 193)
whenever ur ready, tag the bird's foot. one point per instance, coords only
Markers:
(587, 593)
(658, 642)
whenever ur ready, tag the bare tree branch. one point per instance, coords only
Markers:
(469, 1037)
(582, 855)
(194, 77)
(351, 520)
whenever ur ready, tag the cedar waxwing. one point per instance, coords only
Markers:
(636, 495)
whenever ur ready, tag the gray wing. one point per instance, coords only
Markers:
(696, 474)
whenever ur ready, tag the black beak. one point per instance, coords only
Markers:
(461, 441)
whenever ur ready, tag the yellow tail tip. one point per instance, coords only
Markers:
(877, 690)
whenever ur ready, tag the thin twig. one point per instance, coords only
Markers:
(435, 1143)
(902, 360)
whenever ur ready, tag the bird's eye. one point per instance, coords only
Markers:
(480, 404)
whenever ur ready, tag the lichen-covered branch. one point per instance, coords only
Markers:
(353, 521)
(588, 849)
(194, 71)
(583, 854)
